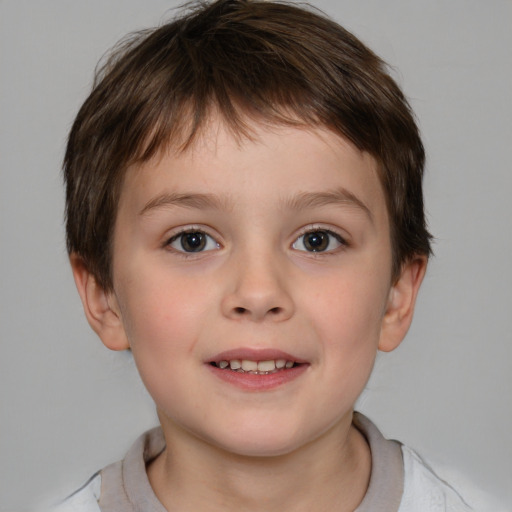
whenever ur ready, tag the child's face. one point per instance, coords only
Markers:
(272, 249)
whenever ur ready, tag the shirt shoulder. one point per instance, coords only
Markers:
(425, 491)
(84, 499)
(460, 494)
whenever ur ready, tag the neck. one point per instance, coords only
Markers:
(194, 475)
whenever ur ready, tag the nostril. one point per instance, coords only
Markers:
(240, 311)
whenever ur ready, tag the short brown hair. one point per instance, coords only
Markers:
(249, 60)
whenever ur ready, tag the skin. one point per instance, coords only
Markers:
(255, 286)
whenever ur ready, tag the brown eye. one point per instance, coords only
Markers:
(193, 241)
(316, 241)
(320, 240)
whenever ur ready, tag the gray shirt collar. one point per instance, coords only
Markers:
(125, 485)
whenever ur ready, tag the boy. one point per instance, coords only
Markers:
(245, 214)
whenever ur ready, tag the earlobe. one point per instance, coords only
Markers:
(401, 301)
(100, 307)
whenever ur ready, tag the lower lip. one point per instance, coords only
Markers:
(258, 382)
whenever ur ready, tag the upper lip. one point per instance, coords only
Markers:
(253, 354)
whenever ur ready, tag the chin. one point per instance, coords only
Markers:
(259, 442)
(261, 448)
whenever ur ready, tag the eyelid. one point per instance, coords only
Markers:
(178, 232)
(342, 240)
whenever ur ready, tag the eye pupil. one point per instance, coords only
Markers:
(316, 241)
(193, 242)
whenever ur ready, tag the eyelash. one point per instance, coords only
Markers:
(330, 234)
(191, 231)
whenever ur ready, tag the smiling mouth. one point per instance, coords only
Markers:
(255, 367)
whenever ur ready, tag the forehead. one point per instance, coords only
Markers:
(274, 164)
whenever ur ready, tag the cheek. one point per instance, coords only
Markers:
(355, 299)
(160, 313)
(347, 315)
(162, 320)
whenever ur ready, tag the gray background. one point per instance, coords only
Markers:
(68, 406)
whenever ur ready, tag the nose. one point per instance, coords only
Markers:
(258, 290)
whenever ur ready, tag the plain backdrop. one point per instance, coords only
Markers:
(68, 406)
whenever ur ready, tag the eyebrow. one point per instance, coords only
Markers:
(340, 196)
(200, 201)
(298, 202)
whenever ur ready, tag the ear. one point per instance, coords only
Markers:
(400, 307)
(100, 307)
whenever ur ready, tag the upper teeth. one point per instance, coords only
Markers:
(255, 366)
